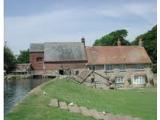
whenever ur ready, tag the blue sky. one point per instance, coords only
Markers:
(31, 21)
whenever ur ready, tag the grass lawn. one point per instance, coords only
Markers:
(136, 102)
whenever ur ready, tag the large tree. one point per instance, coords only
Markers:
(23, 57)
(112, 38)
(9, 60)
(150, 44)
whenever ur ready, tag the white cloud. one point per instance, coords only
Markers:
(143, 10)
(71, 24)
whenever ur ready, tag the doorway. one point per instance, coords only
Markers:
(61, 71)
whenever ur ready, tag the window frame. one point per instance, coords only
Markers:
(139, 80)
(119, 80)
(39, 59)
(108, 67)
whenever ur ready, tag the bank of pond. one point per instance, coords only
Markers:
(16, 88)
(132, 102)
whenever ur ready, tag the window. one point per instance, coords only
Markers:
(92, 67)
(139, 80)
(121, 67)
(39, 59)
(108, 67)
(119, 80)
(139, 66)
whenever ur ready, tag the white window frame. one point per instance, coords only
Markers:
(119, 80)
(108, 67)
(138, 80)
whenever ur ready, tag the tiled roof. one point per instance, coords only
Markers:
(117, 55)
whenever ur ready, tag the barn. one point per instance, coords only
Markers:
(57, 56)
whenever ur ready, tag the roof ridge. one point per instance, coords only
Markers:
(62, 42)
(118, 46)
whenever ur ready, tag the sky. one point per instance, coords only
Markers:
(38, 21)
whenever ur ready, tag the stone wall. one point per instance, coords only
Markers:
(101, 79)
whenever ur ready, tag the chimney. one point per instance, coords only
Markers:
(140, 43)
(83, 40)
(119, 42)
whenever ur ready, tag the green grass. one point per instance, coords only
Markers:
(136, 102)
(35, 107)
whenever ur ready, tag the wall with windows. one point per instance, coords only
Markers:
(121, 67)
(36, 60)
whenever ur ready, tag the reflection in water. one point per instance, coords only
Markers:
(15, 90)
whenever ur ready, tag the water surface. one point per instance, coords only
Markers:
(15, 90)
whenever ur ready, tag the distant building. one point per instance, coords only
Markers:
(22, 68)
(125, 65)
(52, 56)
(121, 62)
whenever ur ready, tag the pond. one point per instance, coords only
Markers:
(15, 90)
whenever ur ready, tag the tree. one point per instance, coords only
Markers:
(23, 57)
(9, 60)
(150, 44)
(111, 38)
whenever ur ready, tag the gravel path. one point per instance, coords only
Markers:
(88, 112)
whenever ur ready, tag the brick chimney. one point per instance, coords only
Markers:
(119, 42)
(140, 42)
(83, 40)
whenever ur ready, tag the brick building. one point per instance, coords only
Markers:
(52, 56)
(123, 64)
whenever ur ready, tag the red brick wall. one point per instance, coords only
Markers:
(71, 65)
(36, 65)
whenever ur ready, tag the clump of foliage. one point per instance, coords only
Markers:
(9, 60)
(23, 57)
(111, 38)
(150, 44)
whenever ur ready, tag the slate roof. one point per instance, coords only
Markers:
(61, 51)
(36, 47)
(117, 55)
(64, 51)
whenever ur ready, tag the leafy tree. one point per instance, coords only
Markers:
(111, 38)
(9, 60)
(23, 57)
(150, 44)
